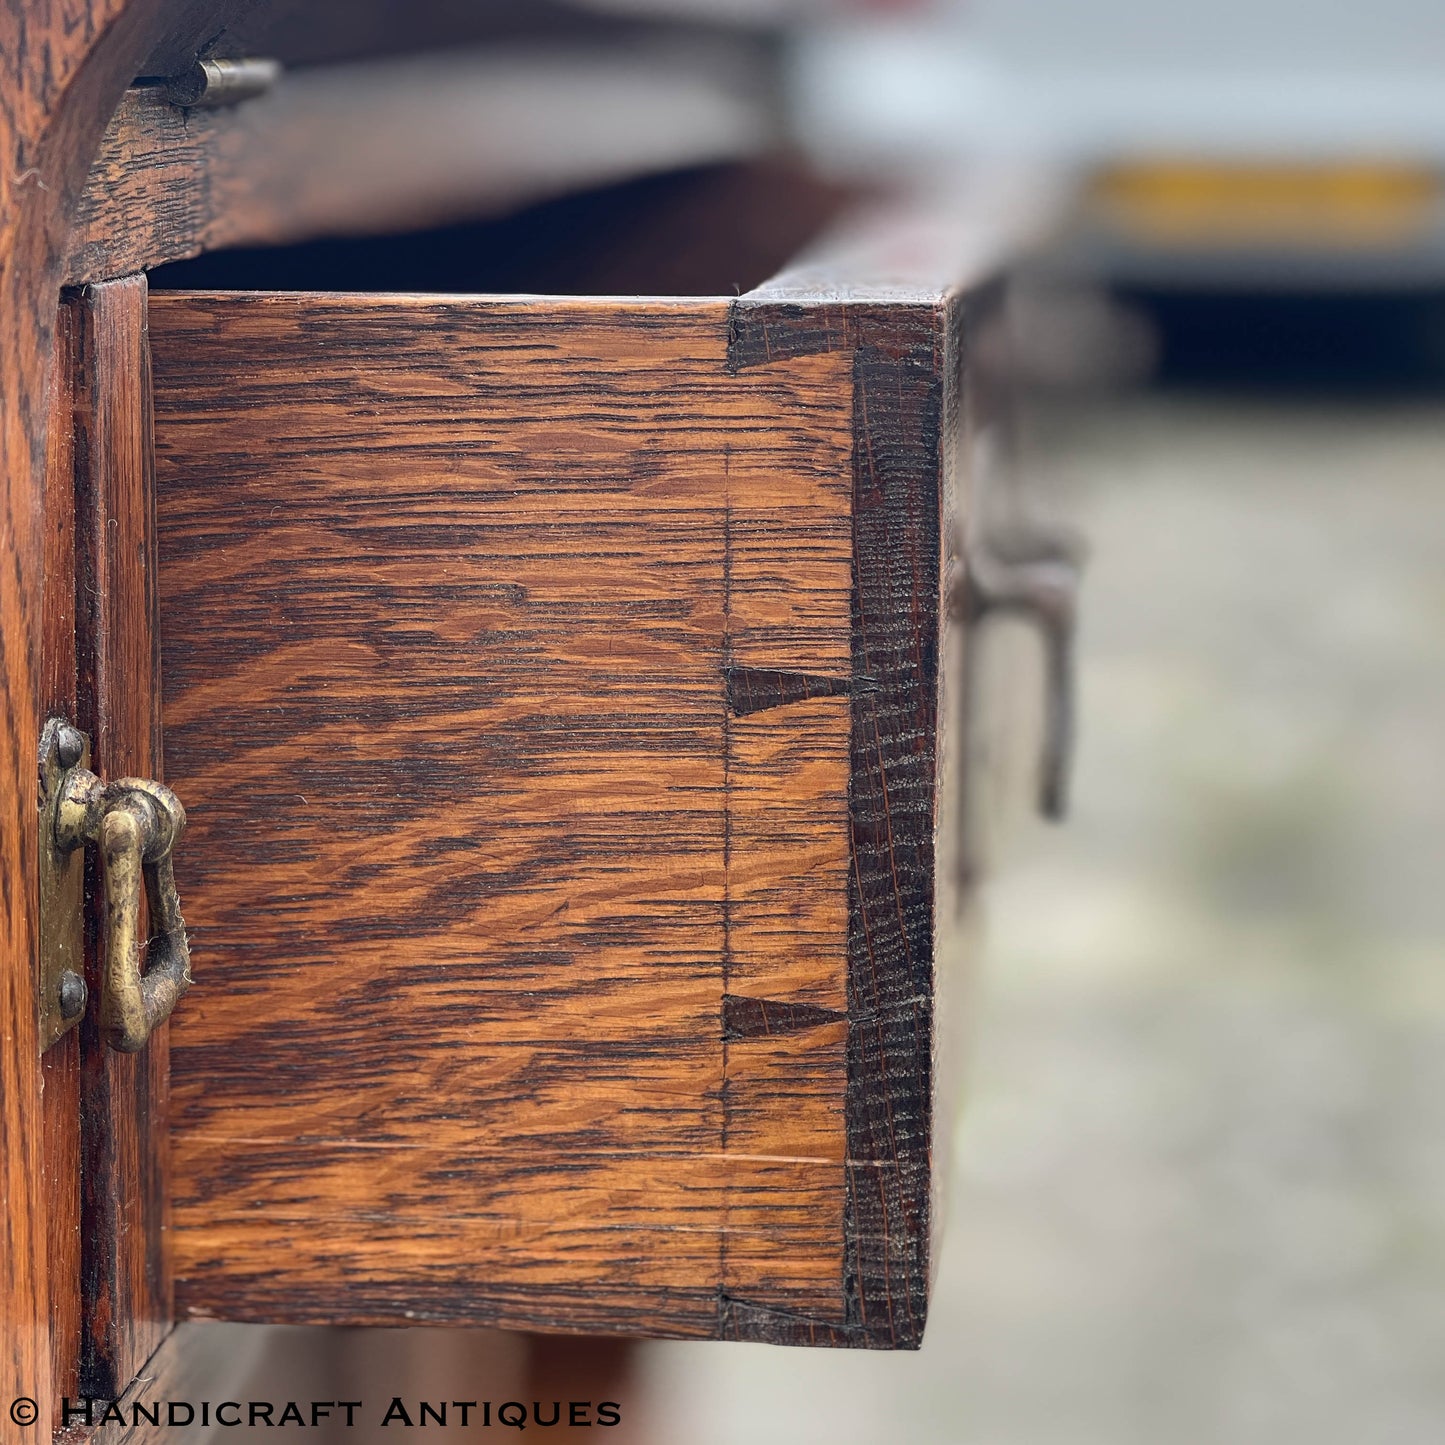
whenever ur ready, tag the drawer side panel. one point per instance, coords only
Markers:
(453, 595)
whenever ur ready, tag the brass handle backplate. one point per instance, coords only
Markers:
(134, 823)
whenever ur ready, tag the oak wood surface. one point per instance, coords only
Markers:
(566, 523)
(124, 1138)
(904, 350)
(446, 697)
(60, 1063)
(63, 67)
(395, 145)
(634, 607)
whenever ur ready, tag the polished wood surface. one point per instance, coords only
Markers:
(60, 1063)
(445, 683)
(562, 967)
(126, 1287)
(396, 145)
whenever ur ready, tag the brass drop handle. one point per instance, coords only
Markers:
(134, 823)
(1038, 578)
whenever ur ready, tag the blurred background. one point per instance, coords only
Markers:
(1200, 1188)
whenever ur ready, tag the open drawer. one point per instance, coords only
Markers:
(553, 686)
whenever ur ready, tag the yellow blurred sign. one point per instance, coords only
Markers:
(1175, 204)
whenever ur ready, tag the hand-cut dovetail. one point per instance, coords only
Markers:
(753, 689)
(754, 1018)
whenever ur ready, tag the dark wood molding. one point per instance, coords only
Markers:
(125, 1278)
(61, 1062)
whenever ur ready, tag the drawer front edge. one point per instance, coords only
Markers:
(904, 409)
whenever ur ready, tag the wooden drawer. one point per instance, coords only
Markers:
(553, 686)
(557, 676)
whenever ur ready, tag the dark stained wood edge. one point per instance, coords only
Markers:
(125, 1275)
(755, 689)
(651, 1312)
(60, 1064)
(756, 1018)
(904, 411)
(903, 373)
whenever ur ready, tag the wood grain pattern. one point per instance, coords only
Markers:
(395, 146)
(745, 1017)
(558, 702)
(446, 697)
(63, 64)
(754, 689)
(60, 1064)
(63, 67)
(125, 1276)
(904, 291)
(904, 354)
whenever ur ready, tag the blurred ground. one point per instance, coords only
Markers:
(1201, 1182)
